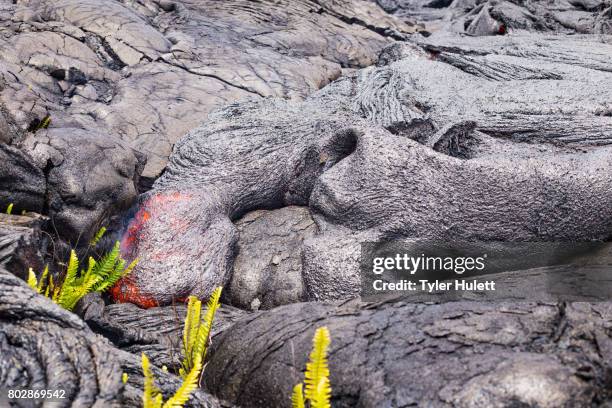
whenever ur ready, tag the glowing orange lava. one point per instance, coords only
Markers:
(125, 291)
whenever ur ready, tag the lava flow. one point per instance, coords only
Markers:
(127, 290)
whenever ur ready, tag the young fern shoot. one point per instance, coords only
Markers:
(152, 397)
(96, 239)
(196, 338)
(197, 330)
(316, 391)
(297, 398)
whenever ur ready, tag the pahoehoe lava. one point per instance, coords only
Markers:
(256, 145)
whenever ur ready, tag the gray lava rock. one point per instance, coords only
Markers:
(149, 71)
(21, 182)
(37, 338)
(77, 177)
(85, 177)
(498, 17)
(268, 267)
(459, 139)
(133, 74)
(22, 244)
(459, 354)
(157, 332)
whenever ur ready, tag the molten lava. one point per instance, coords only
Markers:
(126, 291)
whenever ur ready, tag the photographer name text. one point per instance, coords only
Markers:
(435, 286)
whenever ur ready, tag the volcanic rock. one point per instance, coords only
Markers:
(458, 354)
(142, 74)
(150, 71)
(157, 332)
(22, 243)
(498, 17)
(45, 347)
(268, 267)
(484, 138)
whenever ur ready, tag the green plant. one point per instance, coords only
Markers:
(316, 390)
(196, 332)
(9, 209)
(96, 239)
(196, 338)
(98, 277)
(38, 124)
(34, 283)
(152, 397)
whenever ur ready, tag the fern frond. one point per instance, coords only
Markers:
(120, 272)
(73, 267)
(317, 368)
(68, 297)
(32, 282)
(196, 333)
(297, 397)
(96, 238)
(151, 396)
(9, 209)
(190, 383)
(44, 124)
(107, 264)
(52, 290)
(98, 277)
(190, 332)
(322, 396)
(43, 279)
(204, 331)
(130, 268)
(90, 266)
(87, 286)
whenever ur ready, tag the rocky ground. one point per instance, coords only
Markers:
(256, 145)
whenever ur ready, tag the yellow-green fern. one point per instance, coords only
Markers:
(44, 124)
(38, 285)
(322, 395)
(190, 383)
(196, 332)
(297, 398)
(317, 368)
(98, 277)
(96, 239)
(40, 288)
(317, 389)
(152, 397)
(32, 280)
